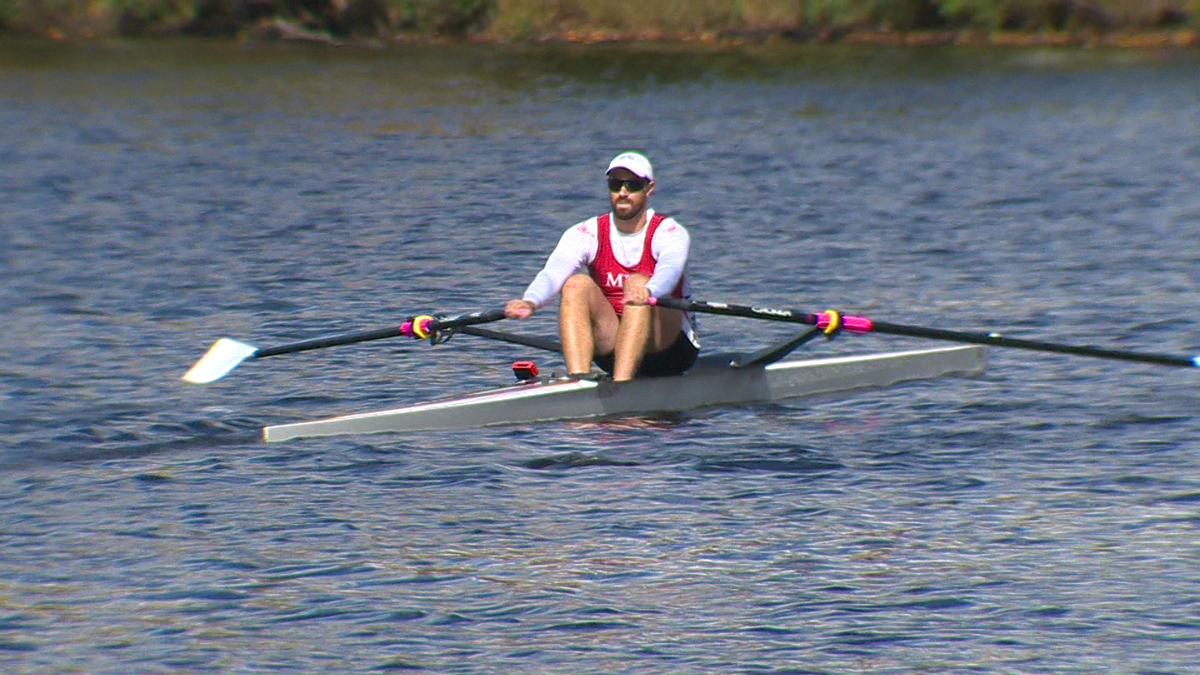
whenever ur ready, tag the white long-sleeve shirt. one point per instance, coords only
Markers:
(578, 246)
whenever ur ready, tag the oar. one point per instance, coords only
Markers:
(859, 324)
(512, 338)
(226, 354)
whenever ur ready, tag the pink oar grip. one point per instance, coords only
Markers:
(857, 324)
(854, 324)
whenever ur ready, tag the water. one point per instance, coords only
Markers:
(1041, 518)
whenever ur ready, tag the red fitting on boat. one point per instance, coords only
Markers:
(525, 370)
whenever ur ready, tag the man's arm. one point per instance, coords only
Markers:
(576, 248)
(670, 247)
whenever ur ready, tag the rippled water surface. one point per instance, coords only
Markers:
(1040, 518)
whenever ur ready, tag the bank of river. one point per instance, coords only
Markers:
(377, 23)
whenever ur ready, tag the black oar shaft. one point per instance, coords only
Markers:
(225, 354)
(863, 325)
(512, 338)
(320, 343)
(404, 329)
(1034, 345)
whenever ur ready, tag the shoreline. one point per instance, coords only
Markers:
(1131, 39)
(379, 23)
(279, 29)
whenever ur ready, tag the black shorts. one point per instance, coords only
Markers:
(671, 361)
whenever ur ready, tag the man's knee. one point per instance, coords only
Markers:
(578, 285)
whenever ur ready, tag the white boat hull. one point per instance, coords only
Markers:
(710, 383)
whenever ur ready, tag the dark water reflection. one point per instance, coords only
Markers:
(1040, 518)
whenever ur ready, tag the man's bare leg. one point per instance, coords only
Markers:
(632, 339)
(643, 329)
(586, 323)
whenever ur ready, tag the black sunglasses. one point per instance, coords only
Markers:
(632, 184)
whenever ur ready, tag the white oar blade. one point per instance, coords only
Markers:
(222, 357)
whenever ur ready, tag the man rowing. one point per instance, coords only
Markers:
(607, 268)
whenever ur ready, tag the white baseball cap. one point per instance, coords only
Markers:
(635, 162)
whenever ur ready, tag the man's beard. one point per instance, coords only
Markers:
(633, 215)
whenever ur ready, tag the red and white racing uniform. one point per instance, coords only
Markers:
(660, 251)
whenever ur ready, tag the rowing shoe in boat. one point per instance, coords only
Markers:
(713, 381)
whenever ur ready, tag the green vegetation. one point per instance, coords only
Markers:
(592, 20)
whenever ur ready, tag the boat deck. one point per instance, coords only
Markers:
(711, 382)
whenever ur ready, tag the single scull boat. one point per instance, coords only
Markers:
(762, 376)
(713, 381)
